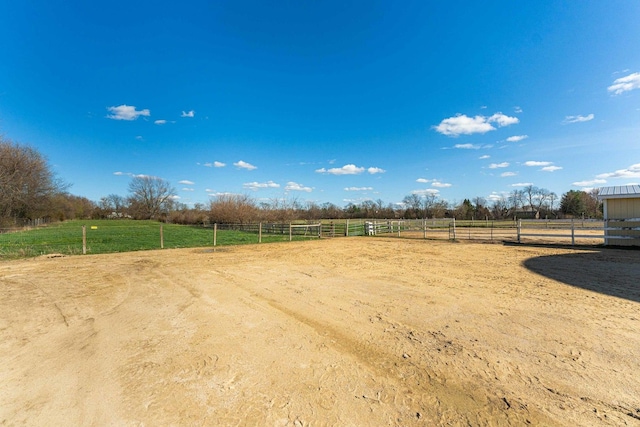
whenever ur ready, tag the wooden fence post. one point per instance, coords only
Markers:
(84, 240)
(290, 232)
(260, 233)
(161, 237)
(215, 233)
(454, 229)
(346, 229)
(424, 228)
(519, 226)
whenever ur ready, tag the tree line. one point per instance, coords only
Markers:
(30, 190)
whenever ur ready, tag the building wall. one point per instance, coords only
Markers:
(624, 216)
(623, 208)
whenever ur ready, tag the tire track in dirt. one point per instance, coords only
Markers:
(424, 393)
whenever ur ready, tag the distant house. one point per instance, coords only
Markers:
(621, 214)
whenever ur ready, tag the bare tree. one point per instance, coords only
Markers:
(516, 200)
(499, 208)
(113, 206)
(27, 184)
(233, 209)
(428, 203)
(150, 196)
(413, 202)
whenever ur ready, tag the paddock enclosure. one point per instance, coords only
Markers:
(108, 236)
(365, 331)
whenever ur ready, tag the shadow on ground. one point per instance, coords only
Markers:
(614, 272)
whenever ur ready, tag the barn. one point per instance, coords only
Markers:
(621, 214)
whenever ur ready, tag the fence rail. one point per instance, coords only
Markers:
(594, 230)
(106, 236)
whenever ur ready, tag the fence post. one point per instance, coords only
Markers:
(260, 233)
(161, 237)
(215, 233)
(84, 240)
(519, 227)
(454, 229)
(346, 229)
(290, 232)
(424, 228)
(573, 232)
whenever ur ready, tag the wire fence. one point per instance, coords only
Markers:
(105, 236)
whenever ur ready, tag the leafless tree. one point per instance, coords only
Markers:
(27, 183)
(150, 196)
(233, 209)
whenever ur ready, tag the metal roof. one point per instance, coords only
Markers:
(619, 192)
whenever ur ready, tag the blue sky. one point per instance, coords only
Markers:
(326, 101)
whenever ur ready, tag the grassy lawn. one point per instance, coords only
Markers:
(106, 236)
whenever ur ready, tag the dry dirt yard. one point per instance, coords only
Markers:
(348, 332)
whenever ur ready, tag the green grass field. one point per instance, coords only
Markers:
(107, 236)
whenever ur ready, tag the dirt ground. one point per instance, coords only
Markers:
(349, 332)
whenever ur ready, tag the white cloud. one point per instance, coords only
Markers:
(496, 196)
(160, 122)
(517, 109)
(188, 189)
(213, 193)
(551, 168)
(294, 186)
(440, 184)
(188, 114)
(258, 185)
(126, 112)
(578, 118)
(462, 124)
(423, 180)
(625, 84)
(244, 165)
(215, 164)
(589, 183)
(426, 191)
(503, 120)
(467, 146)
(486, 156)
(344, 170)
(532, 163)
(632, 171)
(517, 138)
(134, 175)
(522, 184)
(499, 165)
(506, 174)
(358, 189)
(186, 182)
(373, 170)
